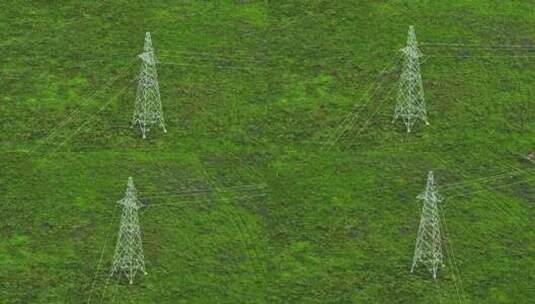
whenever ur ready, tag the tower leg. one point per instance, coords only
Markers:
(162, 124)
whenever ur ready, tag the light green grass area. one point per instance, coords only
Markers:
(254, 195)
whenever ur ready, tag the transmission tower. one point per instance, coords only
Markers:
(128, 258)
(410, 99)
(148, 108)
(428, 250)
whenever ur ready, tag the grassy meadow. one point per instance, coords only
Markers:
(282, 178)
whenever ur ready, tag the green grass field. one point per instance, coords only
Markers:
(254, 195)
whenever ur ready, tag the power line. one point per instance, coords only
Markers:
(351, 117)
(99, 263)
(63, 123)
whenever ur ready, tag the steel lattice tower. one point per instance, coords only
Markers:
(410, 99)
(128, 258)
(428, 250)
(148, 108)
